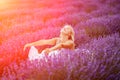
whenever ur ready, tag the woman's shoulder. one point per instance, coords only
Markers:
(71, 41)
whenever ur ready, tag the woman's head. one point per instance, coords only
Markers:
(67, 30)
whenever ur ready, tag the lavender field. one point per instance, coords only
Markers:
(97, 37)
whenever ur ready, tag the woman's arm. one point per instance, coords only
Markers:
(42, 42)
(68, 45)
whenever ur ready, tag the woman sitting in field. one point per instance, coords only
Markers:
(65, 40)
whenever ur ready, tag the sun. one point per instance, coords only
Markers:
(2, 1)
(4, 4)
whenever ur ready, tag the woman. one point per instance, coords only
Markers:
(65, 40)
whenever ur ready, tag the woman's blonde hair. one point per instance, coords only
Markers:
(72, 33)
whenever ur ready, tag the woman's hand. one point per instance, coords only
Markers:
(47, 50)
(27, 45)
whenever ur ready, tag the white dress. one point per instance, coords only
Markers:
(34, 54)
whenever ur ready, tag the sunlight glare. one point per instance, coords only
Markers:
(4, 4)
